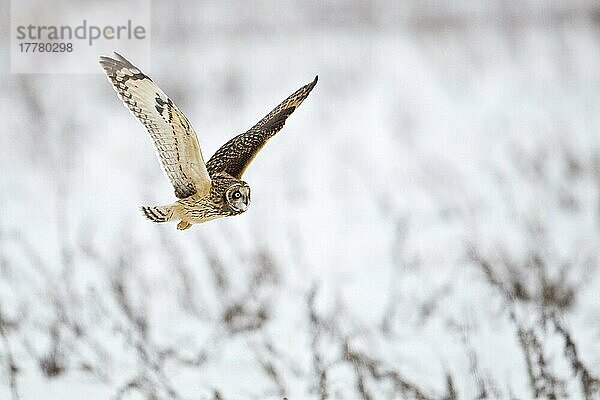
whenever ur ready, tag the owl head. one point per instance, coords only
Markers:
(237, 197)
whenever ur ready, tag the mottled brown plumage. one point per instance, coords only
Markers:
(205, 191)
(235, 155)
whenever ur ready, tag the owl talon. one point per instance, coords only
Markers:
(183, 225)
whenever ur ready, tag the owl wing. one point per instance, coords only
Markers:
(235, 155)
(173, 136)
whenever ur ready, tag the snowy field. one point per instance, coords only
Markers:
(426, 225)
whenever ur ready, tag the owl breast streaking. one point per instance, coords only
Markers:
(206, 191)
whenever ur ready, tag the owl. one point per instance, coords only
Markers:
(205, 191)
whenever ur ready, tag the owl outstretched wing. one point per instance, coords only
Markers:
(173, 136)
(235, 155)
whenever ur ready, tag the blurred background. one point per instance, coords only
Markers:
(426, 225)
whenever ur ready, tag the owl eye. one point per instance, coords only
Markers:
(236, 195)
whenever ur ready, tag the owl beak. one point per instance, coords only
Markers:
(246, 193)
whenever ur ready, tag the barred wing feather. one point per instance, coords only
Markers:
(174, 138)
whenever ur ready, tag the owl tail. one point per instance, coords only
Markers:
(158, 213)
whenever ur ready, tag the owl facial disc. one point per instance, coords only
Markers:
(238, 197)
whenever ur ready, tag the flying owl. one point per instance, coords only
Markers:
(206, 191)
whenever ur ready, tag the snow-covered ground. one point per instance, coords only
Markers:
(426, 225)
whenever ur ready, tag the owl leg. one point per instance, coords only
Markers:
(183, 225)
